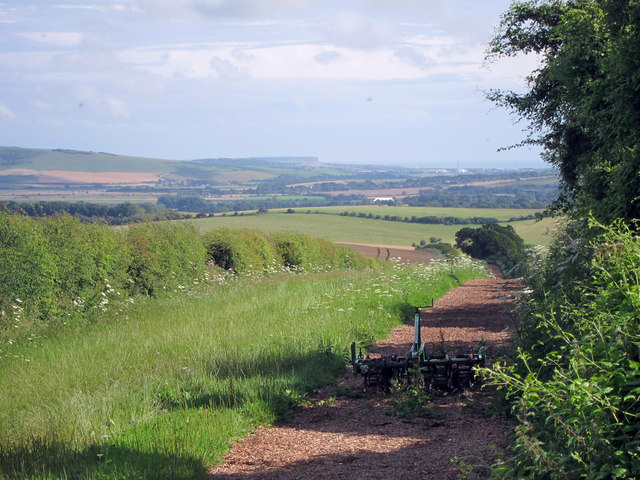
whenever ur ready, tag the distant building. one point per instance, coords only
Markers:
(383, 200)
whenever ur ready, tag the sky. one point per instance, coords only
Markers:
(386, 82)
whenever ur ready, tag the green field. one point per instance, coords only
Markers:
(501, 214)
(338, 228)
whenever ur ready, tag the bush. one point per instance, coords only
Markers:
(493, 243)
(165, 256)
(351, 260)
(294, 249)
(576, 383)
(57, 264)
(90, 259)
(304, 252)
(239, 250)
(441, 247)
(27, 268)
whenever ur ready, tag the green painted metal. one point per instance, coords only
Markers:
(443, 371)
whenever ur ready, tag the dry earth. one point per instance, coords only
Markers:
(385, 252)
(357, 435)
(66, 176)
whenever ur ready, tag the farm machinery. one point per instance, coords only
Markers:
(438, 371)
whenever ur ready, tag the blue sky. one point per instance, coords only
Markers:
(393, 82)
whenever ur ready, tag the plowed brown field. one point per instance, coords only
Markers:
(386, 252)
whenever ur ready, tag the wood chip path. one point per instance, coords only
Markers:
(357, 436)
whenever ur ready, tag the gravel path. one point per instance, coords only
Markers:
(357, 435)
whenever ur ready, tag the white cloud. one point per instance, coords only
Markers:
(7, 14)
(91, 60)
(224, 9)
(413, 57)
(64, 39)
(226, 70)
(41, 105)
(349, 29)
(171, 62)
(6, 115)
(239, 54)
(326, 57)
(304, 61)
(95, 7)
(93, 101)
(232, 66)
(117, 108)
(172, 9)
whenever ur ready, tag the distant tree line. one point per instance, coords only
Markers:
(199, 205)
(429, 220)
(119, 214)
(434, 220)
(484, 197)
(439, 191)
(476, 197)
(377, 180)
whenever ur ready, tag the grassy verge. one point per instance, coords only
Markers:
(163, 390)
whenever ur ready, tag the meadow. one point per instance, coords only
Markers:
(159, 387)
(347, 229)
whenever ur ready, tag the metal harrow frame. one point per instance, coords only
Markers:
(445, 371)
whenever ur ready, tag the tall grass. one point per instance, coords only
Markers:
(162, 388)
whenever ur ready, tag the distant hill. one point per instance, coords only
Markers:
(255, 161)
(214, 185)
(45, 166)
(77, 160)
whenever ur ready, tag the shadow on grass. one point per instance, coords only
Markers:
(48, 460)
(272, 387)
(277, 381)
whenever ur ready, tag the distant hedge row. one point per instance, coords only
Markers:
(245, 251)
(120, 214)
(52, 266)
(431, 219)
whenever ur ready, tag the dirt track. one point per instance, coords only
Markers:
(358, 437)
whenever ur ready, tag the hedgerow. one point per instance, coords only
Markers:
(164, 255)
(56, 267)
(303, 252)
(575, 384)
(240, 250)
(27, 268)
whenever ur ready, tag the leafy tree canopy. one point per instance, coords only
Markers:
(490, 240)
(583, 102)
